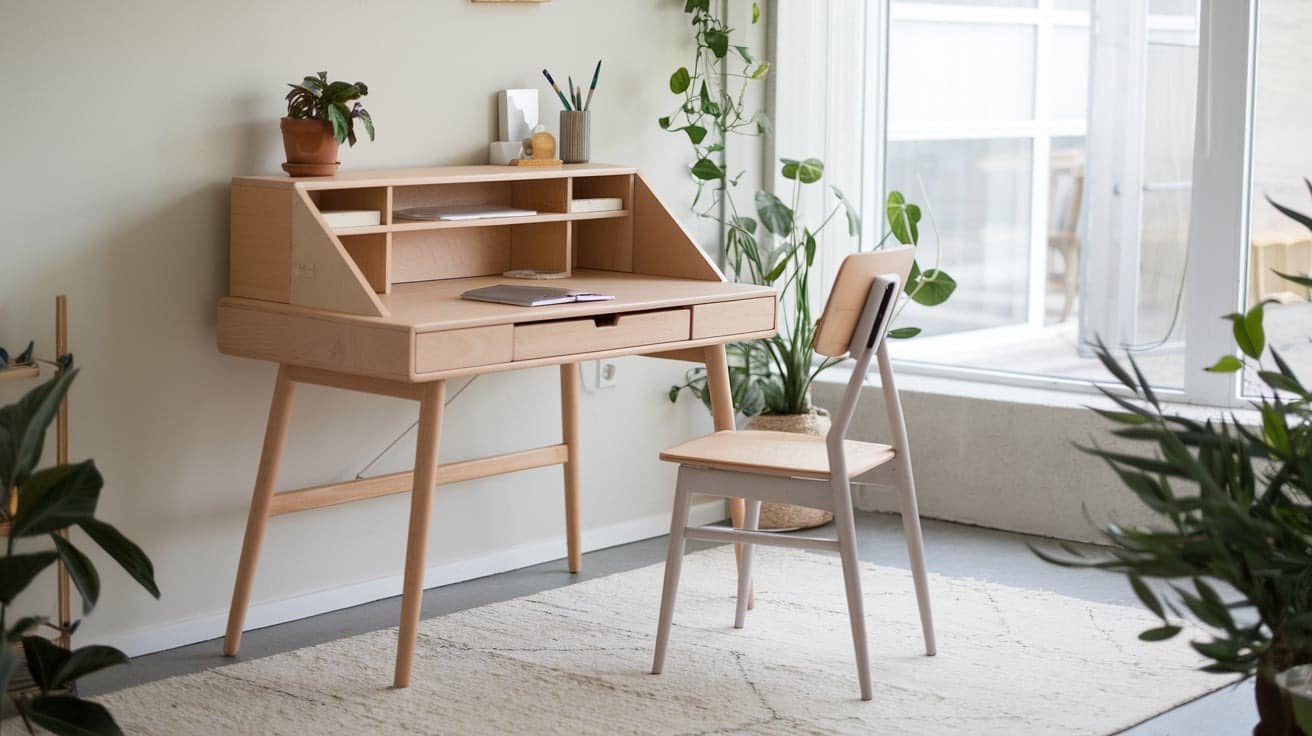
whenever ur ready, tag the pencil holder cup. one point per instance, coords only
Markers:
(575, 136)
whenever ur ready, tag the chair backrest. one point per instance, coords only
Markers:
(847, 300)
(1065, 192)
(858, 312)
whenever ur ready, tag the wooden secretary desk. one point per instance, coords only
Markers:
(377, 309)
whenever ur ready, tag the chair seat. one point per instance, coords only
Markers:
(786, 454)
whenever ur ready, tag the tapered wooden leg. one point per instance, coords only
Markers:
(275, 433)
(856, 611)
(673, 567)
(569, 421)
(750, 522)
(722, 411)
(421, 505)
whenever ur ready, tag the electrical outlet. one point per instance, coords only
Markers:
(607, 373)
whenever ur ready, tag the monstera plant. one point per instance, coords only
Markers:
(49, 503)
(774, 375)
(1234, 507)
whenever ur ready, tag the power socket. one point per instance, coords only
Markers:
(607, 373)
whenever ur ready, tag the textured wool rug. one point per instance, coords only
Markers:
(575, 660)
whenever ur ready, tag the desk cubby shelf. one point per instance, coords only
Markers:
(282, 250)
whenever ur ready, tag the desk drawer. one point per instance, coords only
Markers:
(603, 332)
(441, 351)
(732, 318)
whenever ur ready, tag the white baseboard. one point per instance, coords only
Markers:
(202, 628)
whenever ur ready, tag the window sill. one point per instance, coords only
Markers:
(1081, 396)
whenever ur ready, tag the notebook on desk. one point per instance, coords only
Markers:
(532, 296)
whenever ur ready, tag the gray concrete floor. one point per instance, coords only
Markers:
(952, 549)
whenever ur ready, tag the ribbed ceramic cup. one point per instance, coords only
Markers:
(575, 135)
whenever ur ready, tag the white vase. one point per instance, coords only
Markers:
(784, 517)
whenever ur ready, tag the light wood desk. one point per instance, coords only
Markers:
(378, 309)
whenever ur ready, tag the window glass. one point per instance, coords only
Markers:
(943, 76)
(1168, 170)
(1187, 8)
(980, 196)
(1282, 156)
(1068, 90)
(977, 3)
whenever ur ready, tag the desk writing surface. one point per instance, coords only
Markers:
(427, 306)
(436, 305)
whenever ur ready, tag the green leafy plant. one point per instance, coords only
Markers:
(711, 105)
(315, 98)
(50, 501)
(1235, 510)
(774, 375)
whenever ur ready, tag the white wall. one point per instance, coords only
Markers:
(126, 121)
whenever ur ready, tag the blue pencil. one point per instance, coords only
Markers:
(559, 94)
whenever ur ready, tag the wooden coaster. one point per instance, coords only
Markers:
(536, 162)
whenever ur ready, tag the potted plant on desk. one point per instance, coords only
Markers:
(771, 378)
(318, 121)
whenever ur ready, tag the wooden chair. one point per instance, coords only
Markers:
(811, 471)
(1065, 195)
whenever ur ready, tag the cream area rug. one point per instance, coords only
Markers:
(575, 660)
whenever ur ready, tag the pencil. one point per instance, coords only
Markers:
(573, 96)
(595, 73)
(559, 94)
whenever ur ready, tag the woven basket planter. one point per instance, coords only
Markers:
(783, 517)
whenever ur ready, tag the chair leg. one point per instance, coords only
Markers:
(751, 520)
(1071, 258)
(856, 612)
(916, 554)
(673, 567)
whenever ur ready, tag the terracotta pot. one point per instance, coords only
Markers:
(1275, 711)
(310, 146)
(781, 517)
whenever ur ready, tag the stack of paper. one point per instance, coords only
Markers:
(596, 204)
(351, 218)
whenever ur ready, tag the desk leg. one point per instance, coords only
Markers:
(421, 504)
(265, 478)
(569, 423)
(717, 379)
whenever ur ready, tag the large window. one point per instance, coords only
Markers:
(1020, 123)
(1081, 185)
